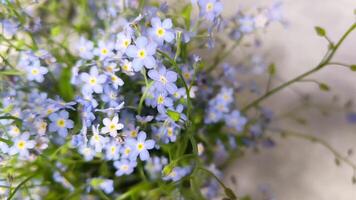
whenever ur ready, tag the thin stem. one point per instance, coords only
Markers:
(19, 186)
(218, 59)
(321, 65)
(319, 141)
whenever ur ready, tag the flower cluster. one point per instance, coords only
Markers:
(115, 99)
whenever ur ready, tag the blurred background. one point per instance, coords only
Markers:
(297, 169)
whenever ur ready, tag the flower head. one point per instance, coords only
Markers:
(161, 31)
(164, 80)
(112, 126)
(60, 123)
(142, 54)
(141, 146)
(93, 81)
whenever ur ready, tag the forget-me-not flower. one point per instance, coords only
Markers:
(161, 31)
(141, 146)
(142, 53)
(124, 166)
(164, 80)
(36, 73)
(60, 123)
(210, 8)
(93, 81)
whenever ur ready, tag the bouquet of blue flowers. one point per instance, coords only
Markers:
(130, 99)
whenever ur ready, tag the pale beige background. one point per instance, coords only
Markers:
(297, 169)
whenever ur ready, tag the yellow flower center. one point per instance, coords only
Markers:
(92, 80)
(125, 67)
(141, 53)
(104, 51)
(49, 111)
(113, 149)
(160, 100)
(96, 137)
(140, 146)
(126, 43)
(160, 32)
(21, 144)
(124, 167)
(186, 75)
(35, 71)
(209, 7)
(112, 127)
(127, 151)
(113, 78)
(163, 79)
(133, 133)
(15, 130)
(61, 123)
(170, 131)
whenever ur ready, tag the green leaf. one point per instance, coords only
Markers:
(186, 13)
(65, 88)
(55, 31)
(324, 87)
(320, 31)
(175, 116)
(272, 69)
(353, 67)
(11, 73)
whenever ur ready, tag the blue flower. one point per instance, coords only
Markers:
(9, 28)
(162, 101)
(107, 185)
(247, 24)
(21, 145)
(210, 8)
(85, 48)
(93, 81)
(112, 150)
(124, 166)
(104, 50)
(176, 174)
(235, 120)
(60, 123)
(141, 146)
(36, 73)
(164, 80)
(123, 40)
(161, 31)
(111, 126)
(98, 141)
(142, 54)
(87, 152)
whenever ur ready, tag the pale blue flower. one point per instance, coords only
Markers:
(85, 48)
(111, 126)
(112, 150)
(235, 120)
(104, 50)
(36, 73)
(210, 9)
(22, 145)
(93, 81)
(164, 80)
(142, 53)
(60, 123)
(141, 146)
(124, 166)
(161, 31)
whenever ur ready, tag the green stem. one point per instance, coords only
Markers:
(19, 186)
(321, 142)
(321, 65)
